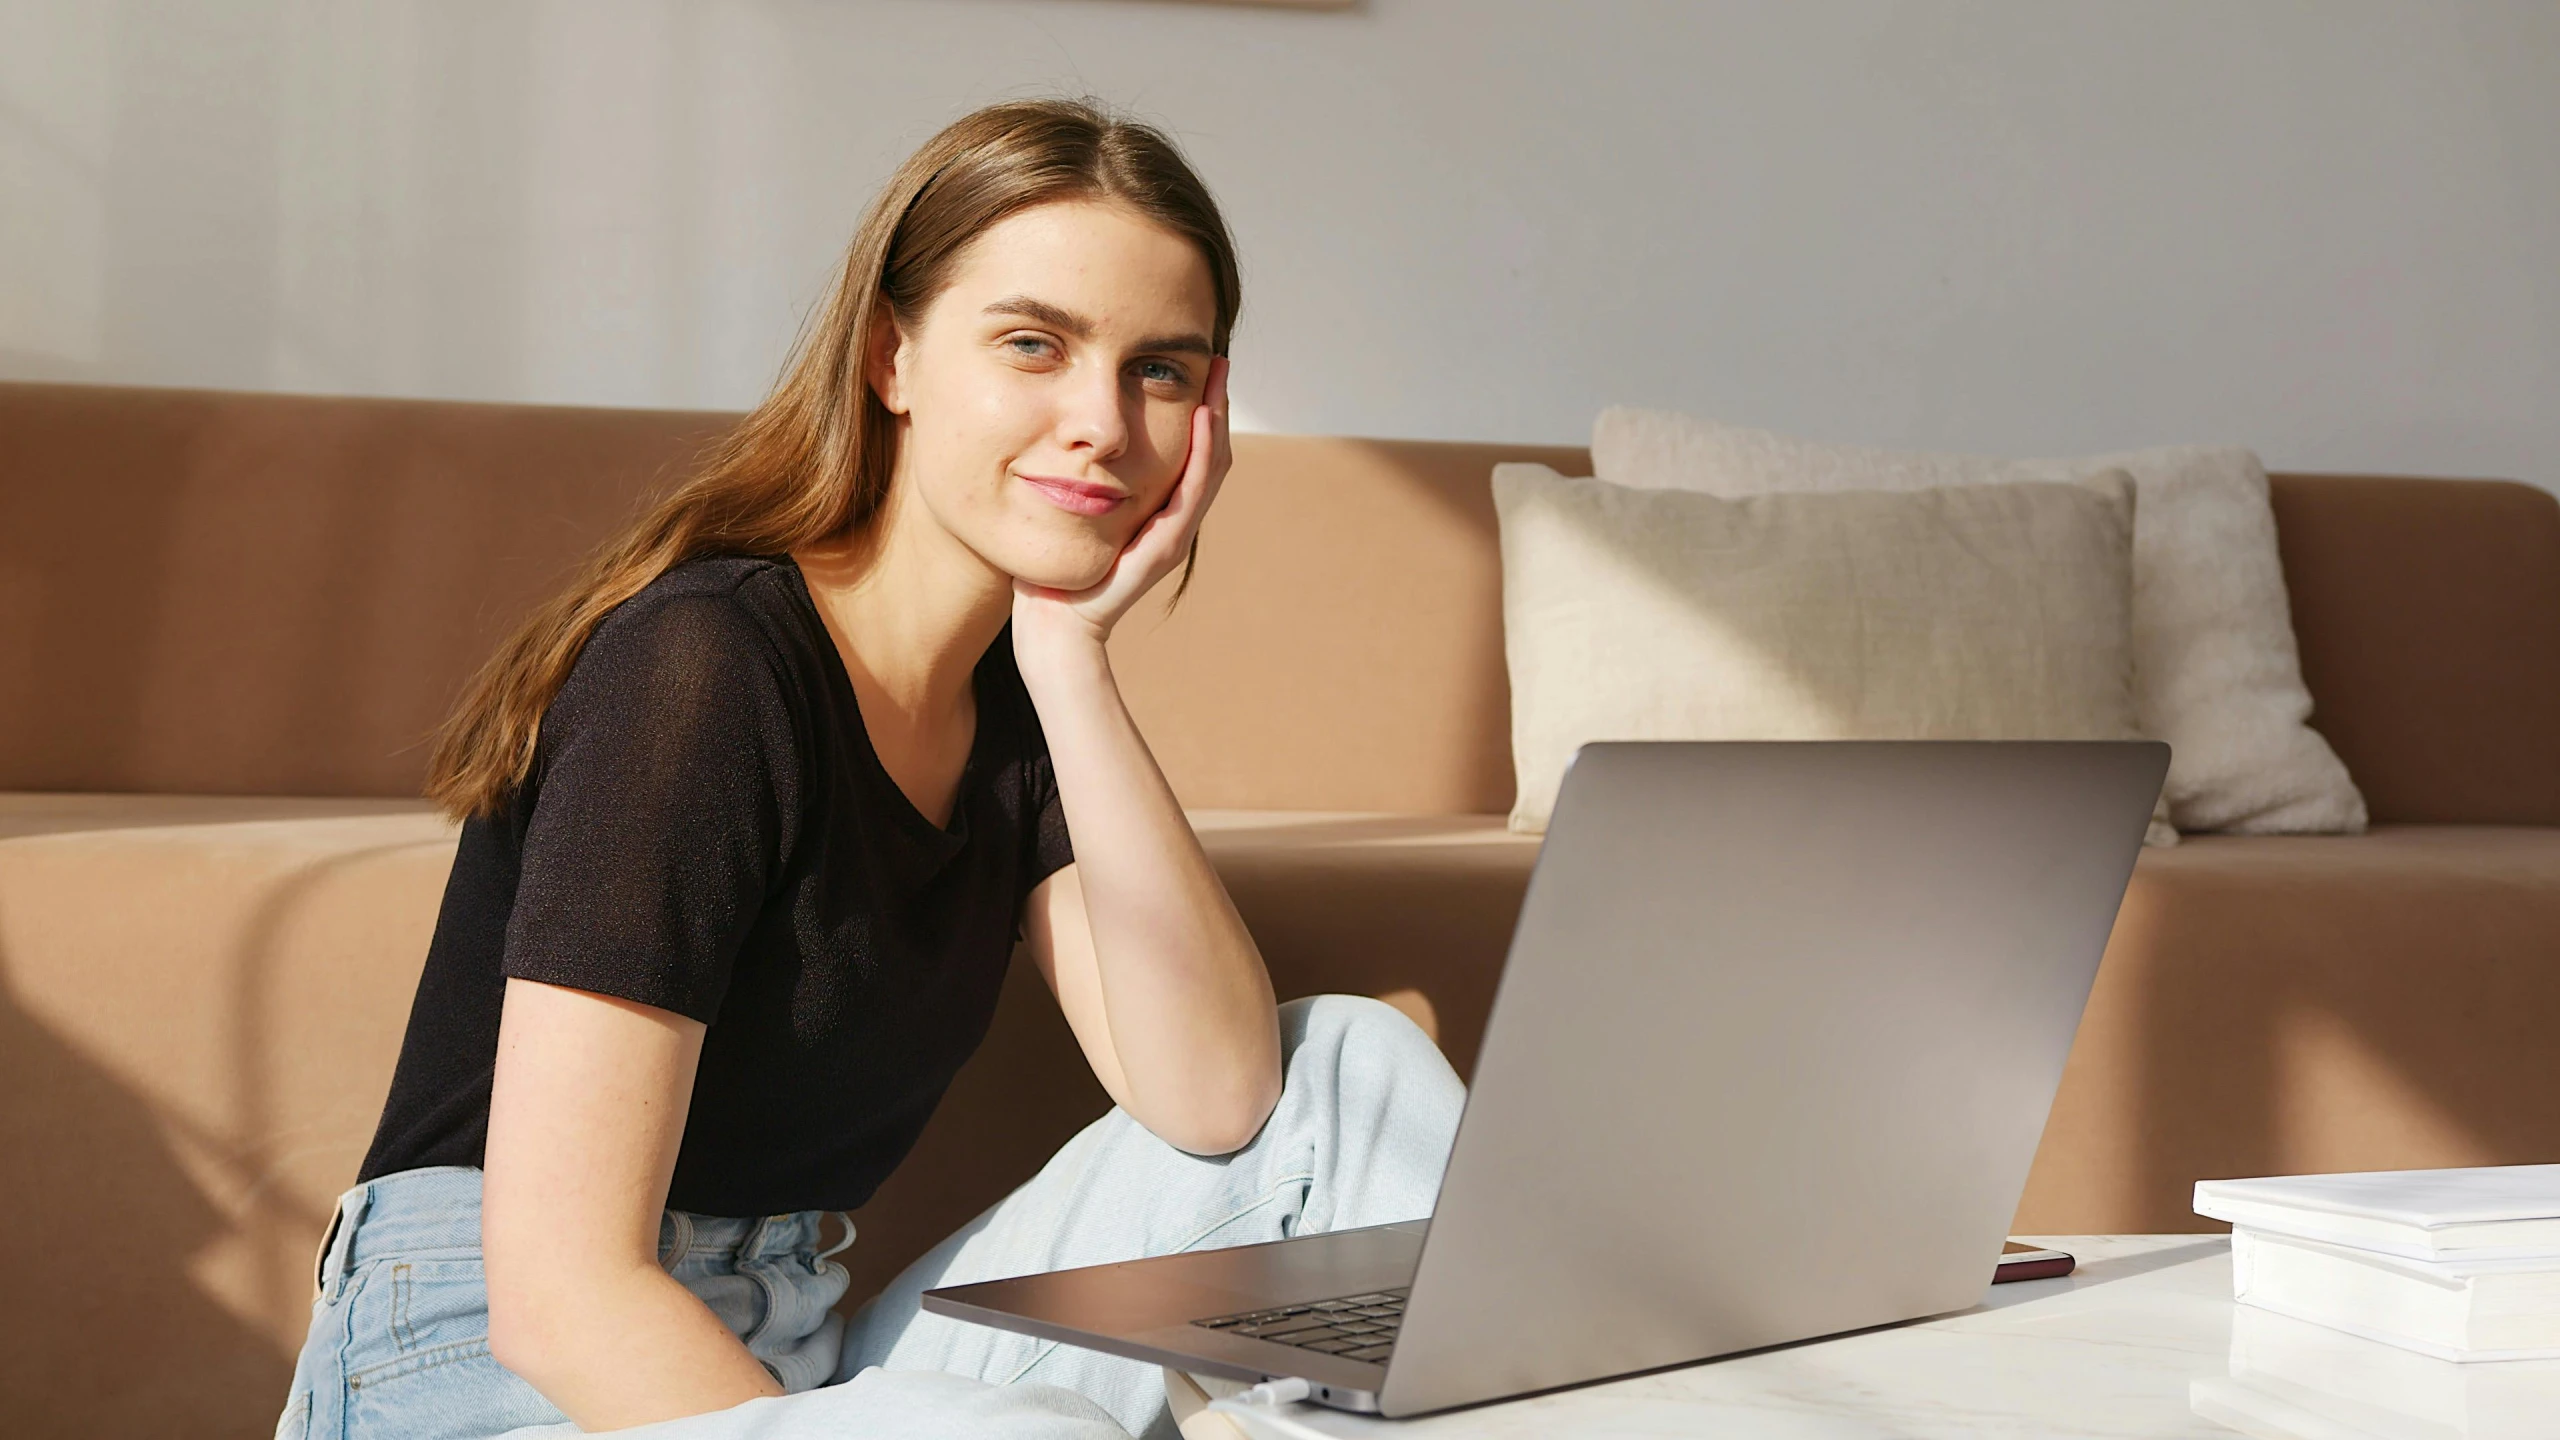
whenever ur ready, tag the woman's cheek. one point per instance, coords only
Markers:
(1003, 408)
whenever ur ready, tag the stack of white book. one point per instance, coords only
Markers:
(2462, 1265)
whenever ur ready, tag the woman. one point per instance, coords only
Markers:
(754, 814)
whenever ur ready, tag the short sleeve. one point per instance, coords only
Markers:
(1046, 847)
(667, 784)
(1051, 851)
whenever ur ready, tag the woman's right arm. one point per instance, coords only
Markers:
(585, 1115)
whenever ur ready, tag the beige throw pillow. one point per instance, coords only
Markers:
(1977, 612)
(2215, 670)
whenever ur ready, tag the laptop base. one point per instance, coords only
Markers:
(1146, 1309)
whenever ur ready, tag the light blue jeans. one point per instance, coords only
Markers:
(399, 1344)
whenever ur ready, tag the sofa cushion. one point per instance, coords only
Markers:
(1968, 612)
(2216, 670)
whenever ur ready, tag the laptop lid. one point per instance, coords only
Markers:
(1772, 1051)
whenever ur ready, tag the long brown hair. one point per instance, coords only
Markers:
(813, 461)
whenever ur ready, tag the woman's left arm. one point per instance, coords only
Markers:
(1152, 965)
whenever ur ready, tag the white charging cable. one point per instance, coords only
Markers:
(1286, 1390)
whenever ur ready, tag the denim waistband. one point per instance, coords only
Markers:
(436, 1210)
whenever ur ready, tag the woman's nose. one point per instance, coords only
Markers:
(1095, 417)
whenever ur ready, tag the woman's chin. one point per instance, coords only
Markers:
(1062, 574)
(1069, 562)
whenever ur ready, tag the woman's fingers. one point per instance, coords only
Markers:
(1221, 448)
(1205, 466)
(1168, 532)
(1200, 467)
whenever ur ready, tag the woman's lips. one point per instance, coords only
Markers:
(1077, 496)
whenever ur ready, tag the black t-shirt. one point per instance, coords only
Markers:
(707, 829)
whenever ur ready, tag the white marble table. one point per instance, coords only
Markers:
(2143, 1341)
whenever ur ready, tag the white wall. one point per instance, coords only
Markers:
(2329, 229)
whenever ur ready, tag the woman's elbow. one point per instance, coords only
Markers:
(515, 1329)
(1226, 1119)
(526, 1323)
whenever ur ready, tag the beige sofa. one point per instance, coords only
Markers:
(227, 623)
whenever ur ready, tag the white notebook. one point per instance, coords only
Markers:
(2509, 1212)
(2460, 1310)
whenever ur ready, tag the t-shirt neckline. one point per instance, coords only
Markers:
(951, 839)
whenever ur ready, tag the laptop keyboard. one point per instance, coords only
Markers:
(1355, 1327)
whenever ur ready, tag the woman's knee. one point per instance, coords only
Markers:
(1373, 1104)
(1349, 1051)
(1329, 1025)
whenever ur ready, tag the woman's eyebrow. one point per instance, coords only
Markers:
(1044, 313)
(1175, 345)
(1069, 322)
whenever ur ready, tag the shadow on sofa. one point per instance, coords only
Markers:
(96, 1183)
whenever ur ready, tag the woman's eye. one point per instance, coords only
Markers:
(1030, 347)
(1159, 372)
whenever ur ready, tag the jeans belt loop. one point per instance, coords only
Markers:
(679, 1240)
(337, 1248)
(843, 1241)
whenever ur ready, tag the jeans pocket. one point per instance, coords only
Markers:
(417, 1359)
(450, 1393)
(410, 1314)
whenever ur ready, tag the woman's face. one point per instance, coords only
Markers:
(1047, 393)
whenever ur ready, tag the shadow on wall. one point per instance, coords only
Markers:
(90, 1170)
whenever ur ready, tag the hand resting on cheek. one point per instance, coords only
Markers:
(1047, 620)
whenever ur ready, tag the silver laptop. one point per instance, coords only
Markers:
(1771, 1053)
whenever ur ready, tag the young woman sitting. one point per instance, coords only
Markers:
(753, 818)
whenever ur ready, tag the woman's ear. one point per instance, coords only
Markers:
(885, 366)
